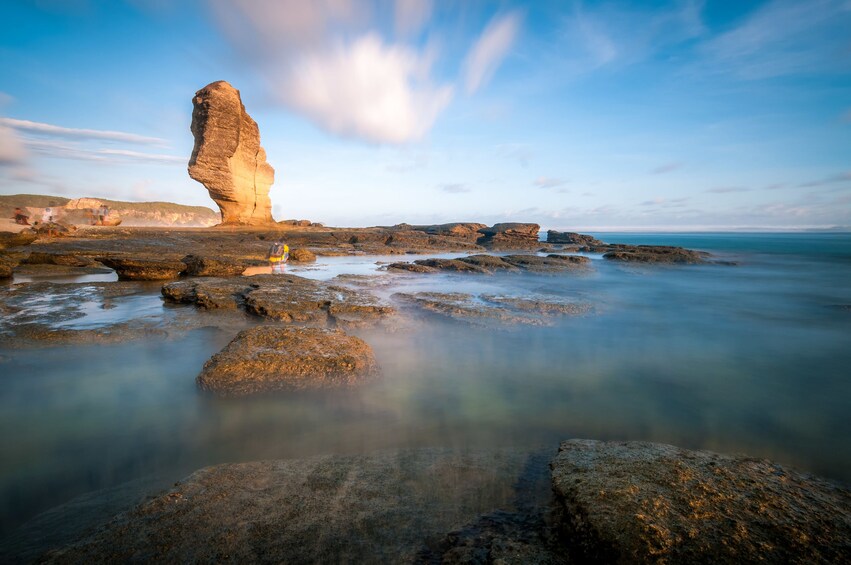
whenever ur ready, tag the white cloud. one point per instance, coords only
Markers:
(49, 148)
(489, 51)
(411, 16)
(320, 62)
(367, 90)
(12, 151)
(75, 133)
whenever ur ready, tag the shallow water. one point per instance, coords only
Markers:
(739, 359)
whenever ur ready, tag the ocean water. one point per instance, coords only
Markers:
(753, 358)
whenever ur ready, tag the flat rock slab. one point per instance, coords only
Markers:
(279, 359)
(381, 508)
(143, 269)
(488, 264)
(636, 502)
(286, 298)
(654, 254)
(487, 308)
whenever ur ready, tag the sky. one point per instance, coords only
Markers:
(657, 115)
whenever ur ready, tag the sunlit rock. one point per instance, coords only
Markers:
(228, 159)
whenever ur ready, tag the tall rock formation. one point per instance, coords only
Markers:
(227, 158)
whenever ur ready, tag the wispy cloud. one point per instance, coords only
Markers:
(727, 189)
(665, 202)
(846, 116)
(784, 37)
(548, 182)
(12, 151)
(454, 188)
(51, 130)
(56, 149)
(488, 52)
(411, 16)
(665, 168)
(833, 179)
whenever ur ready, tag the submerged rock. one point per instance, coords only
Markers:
(636, 502)
(141, 269)
(379, 508)
(276, 359)
(228, 159)
(479, 310)
(201, 266)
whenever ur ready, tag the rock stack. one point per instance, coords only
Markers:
(228, 159)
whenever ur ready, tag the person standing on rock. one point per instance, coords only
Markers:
(279, 253)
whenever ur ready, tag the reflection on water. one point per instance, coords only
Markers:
(750, 359)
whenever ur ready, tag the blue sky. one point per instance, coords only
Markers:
(681, 115)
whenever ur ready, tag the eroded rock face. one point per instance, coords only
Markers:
(278, 359)
(228, 159)
(510, 236)
(143, 269)
(637, 502)
(571, 238)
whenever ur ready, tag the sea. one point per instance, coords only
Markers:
(751, 356)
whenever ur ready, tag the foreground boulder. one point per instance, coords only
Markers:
(636, 502)
(228, 159)
(7, 266)
(143, 269)
(15, 239)
(302, 255)
(274, 359)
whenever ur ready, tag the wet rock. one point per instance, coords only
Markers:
(636, 502)
(655, 254)
(210, 294)
(510, 236)
(549, 264)
(7, 267)
(452, 265)
(280, 359)
(489, 263)
(201, 266)
(228, 159)
(411, 267)
(380, 508)
(302, 255)
(23, 237)
(140, 269)
(287, 298)
(485, 309)
(572, 238)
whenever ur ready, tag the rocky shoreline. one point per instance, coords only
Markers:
(591, 502)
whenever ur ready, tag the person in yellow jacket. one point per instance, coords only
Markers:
(279, 253)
